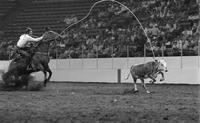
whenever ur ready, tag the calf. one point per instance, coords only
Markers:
(147, 70)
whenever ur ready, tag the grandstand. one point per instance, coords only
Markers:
(40, 14)
(116, 30)
(5, 6)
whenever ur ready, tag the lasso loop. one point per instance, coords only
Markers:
(100, 1)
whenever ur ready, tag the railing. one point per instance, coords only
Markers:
(114, 51)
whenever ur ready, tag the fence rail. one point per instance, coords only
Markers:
(127, 52)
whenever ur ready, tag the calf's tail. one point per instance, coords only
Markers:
(128, 75)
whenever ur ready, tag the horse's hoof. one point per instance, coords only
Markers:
(162, 79)
(135, 91)
(45, 84)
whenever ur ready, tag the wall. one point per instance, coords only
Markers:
(181, 70)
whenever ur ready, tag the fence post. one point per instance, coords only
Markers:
(198, 36)
(198, 53)
(56, 56)
(181, 54)
(118, 75)
(144, 53)
(162, 49)
(127, 50)
(69, 58)
(82, 59)
(112, 57)
(97, 61)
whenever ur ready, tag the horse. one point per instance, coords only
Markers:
(17, 71)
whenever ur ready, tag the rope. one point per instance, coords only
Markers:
(100, 1)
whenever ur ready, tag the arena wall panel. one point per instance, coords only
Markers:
(105, 63)
(183, 70)
(89, 63)
(119, 63)
(190, 62)
(86, 75)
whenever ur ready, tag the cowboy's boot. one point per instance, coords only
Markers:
(29, 67)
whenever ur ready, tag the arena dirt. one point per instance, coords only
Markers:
(101, 103)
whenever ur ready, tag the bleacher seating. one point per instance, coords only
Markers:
(38, 15)
(5, 6)
(52, 14)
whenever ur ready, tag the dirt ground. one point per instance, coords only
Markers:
(101, 103)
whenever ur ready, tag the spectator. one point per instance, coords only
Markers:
(91, 54)
(70, 20)
(155, 32)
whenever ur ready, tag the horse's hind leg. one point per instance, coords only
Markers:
(50, 74)
(45, 77)
(42, 67)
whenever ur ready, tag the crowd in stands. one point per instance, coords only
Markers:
(112, 31)
(118, 32)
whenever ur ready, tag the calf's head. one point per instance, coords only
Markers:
(162, 65)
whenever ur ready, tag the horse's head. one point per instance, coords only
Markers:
(50, 36)
(43, 45)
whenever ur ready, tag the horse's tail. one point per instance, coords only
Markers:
(5, 77)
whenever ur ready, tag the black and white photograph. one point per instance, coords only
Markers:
(99, 61)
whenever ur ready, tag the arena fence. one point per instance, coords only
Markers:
(115, 70)
(182, 69)
(128, 52)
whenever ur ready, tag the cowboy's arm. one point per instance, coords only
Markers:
(29, 38)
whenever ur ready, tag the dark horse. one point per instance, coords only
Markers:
(18, 73)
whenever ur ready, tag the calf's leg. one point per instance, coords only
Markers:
(153, 79)
(144, 86)
(162, 74)
(135, 85)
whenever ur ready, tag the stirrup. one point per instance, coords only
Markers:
(29, 67)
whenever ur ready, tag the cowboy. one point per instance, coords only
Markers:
(24, 39)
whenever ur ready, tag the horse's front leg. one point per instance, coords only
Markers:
(45, 78)
(50, 73)
(47, 69)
